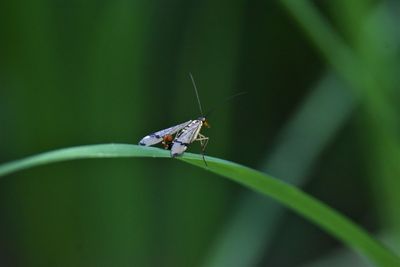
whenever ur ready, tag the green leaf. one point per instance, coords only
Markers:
(286, 194)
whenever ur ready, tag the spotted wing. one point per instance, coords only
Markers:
(185, 137)
(157, 137)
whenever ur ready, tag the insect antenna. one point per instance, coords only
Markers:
(197, 94)
(229, 98)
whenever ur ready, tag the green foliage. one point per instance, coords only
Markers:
(321, 113)
(292, 198)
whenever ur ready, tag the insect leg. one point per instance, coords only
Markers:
(203, 150)
(203, 142)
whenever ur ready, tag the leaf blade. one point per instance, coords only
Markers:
(286, 194)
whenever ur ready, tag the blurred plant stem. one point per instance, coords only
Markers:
(362, 67)
(298, 146)
(254, 217)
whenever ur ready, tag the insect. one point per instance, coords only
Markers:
(185, 133)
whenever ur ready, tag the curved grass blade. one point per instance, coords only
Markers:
(83, 152)
(286, 194)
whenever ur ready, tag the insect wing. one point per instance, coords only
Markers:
(185, 137)
(157, 137)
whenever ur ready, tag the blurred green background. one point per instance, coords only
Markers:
(321, 112)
